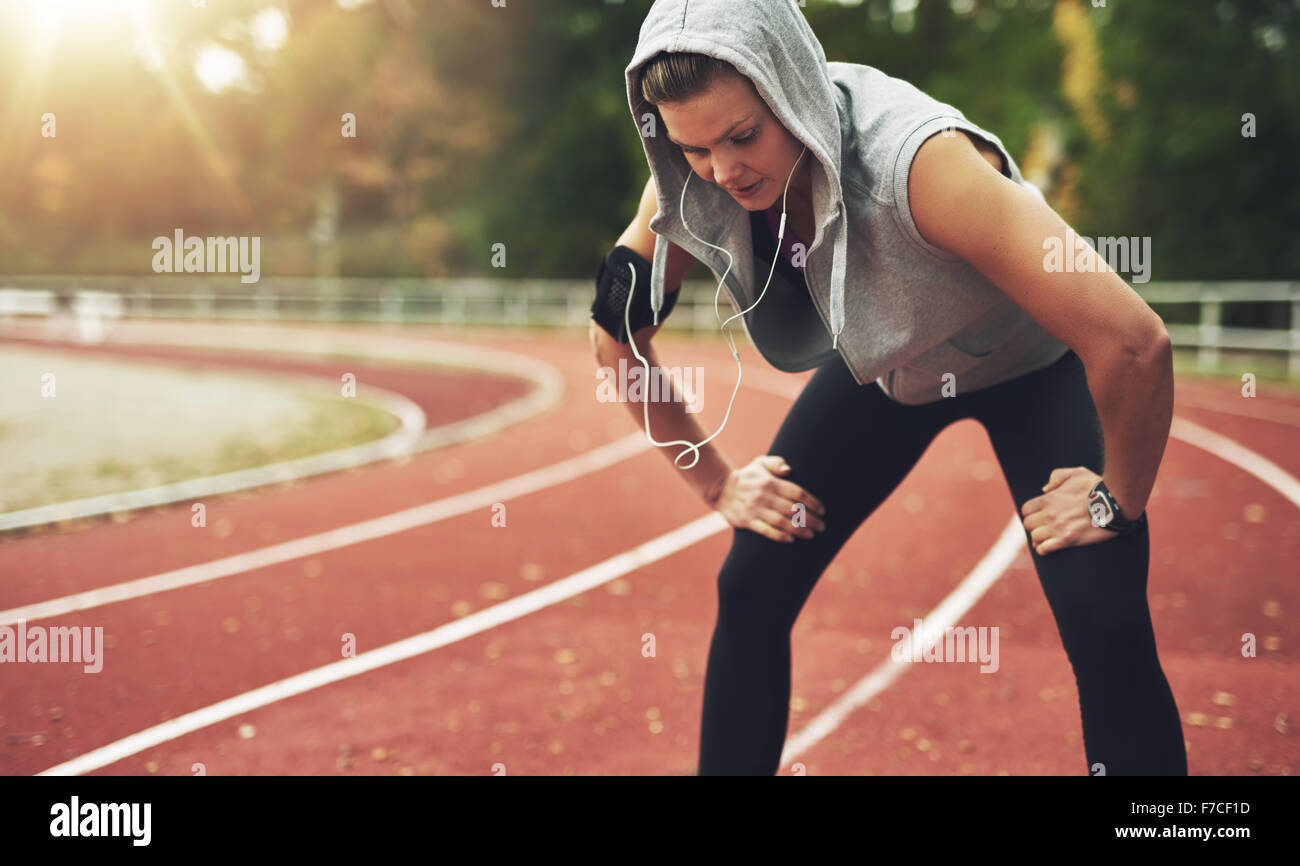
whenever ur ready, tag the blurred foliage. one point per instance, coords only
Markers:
(479, 125)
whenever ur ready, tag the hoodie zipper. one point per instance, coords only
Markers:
(807, 276)
(825, 317)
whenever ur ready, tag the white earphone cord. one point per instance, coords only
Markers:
(627, 324)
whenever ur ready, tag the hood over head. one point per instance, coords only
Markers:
(770, 43)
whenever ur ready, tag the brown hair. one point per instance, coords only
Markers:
(676, 76)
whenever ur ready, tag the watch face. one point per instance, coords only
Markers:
(1100, 511)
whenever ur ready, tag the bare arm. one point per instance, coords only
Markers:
(668, 416)
(1001, 229)
(669, 420)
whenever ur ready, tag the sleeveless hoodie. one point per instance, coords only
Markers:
(897, 309)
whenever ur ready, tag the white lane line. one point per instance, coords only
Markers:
(520, 485)
(400, 441)
(388, 524)
(1238, 455)
(407, 440)
(988, 571)
(567, 587)
(530, 602)
(985, 573)
(992, 566)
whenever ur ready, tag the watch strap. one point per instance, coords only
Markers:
(1118, 523)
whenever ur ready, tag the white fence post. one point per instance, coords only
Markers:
(1207, 357)
(453, 310)
(515, 310)
(1293, 365)
(390, 304)
(266, 304)
(203, 304)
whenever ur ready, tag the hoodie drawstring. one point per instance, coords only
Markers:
(838, 272)
(657, 276)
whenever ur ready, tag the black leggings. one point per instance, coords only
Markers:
(850, 446)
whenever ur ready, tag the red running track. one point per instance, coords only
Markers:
(566, 690)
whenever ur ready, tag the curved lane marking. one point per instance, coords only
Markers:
(986, 572)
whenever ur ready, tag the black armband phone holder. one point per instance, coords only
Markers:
(613, 282)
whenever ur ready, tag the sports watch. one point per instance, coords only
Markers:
(1105, 511)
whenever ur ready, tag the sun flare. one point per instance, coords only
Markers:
(48, 16)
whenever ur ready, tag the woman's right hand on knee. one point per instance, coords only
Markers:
(757, 498)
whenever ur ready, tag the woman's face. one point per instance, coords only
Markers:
(730, 137)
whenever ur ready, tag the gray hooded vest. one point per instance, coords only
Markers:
(897, 309)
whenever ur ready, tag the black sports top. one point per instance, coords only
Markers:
(786, 315)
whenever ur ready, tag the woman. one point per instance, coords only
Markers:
(909, 271)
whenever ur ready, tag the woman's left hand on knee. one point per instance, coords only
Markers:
(1059, 518)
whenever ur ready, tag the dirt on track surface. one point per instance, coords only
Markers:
(566, 689)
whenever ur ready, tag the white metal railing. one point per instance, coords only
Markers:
(1208, 336)
(27, 302)
(559, 303)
